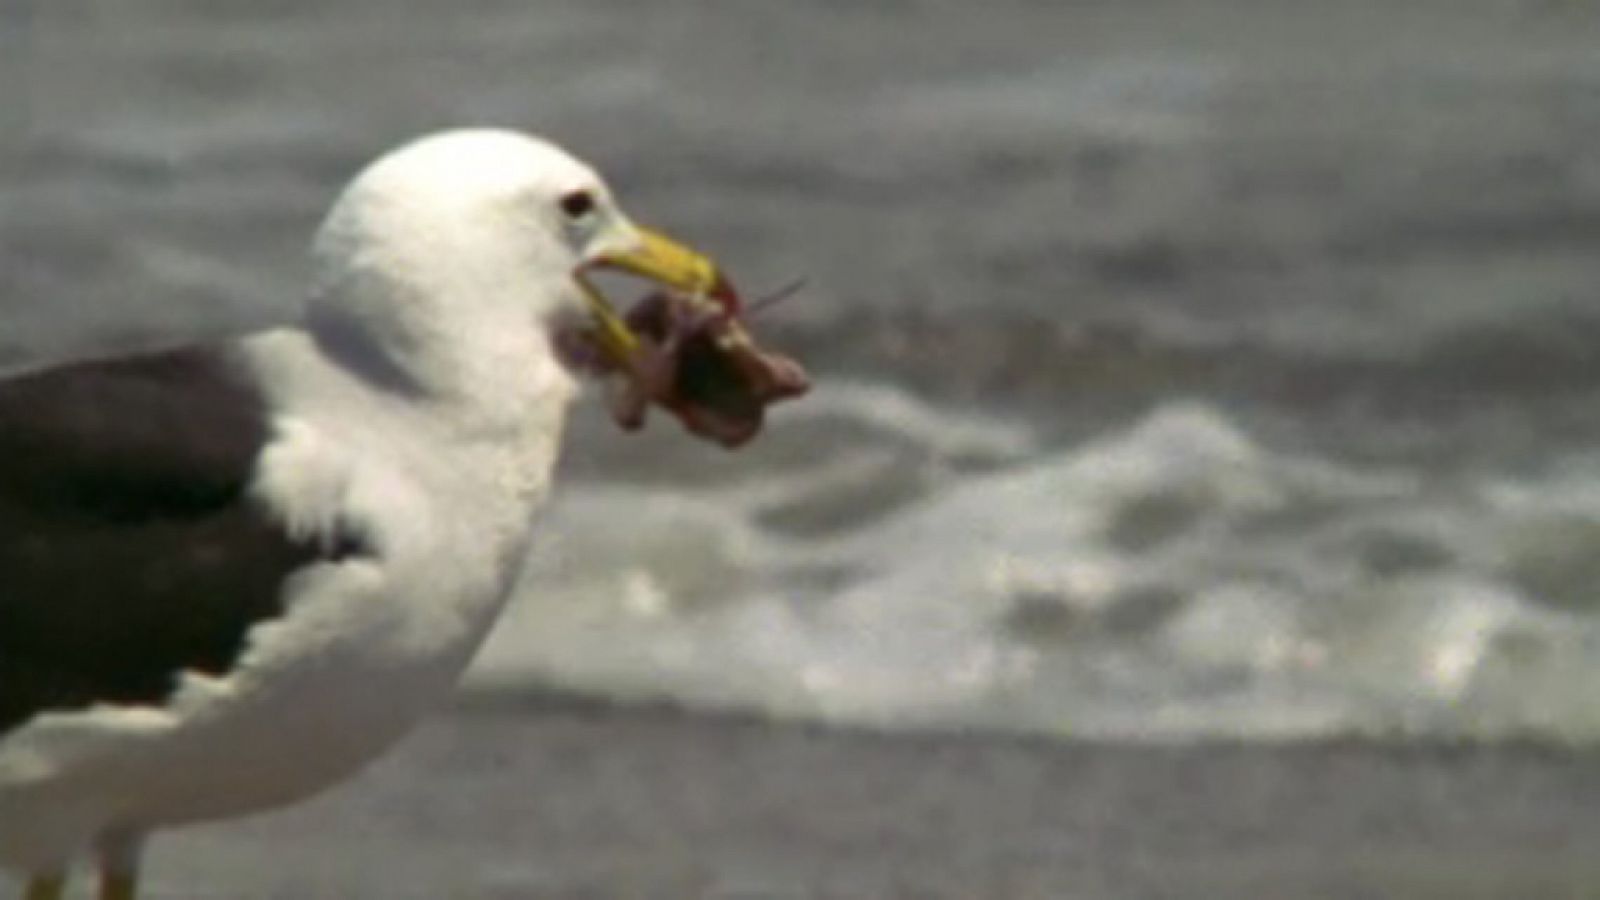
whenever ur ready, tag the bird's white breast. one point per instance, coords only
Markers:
(444, 497)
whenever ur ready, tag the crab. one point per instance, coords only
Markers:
(692, 355)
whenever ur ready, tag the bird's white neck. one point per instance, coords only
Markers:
(409, 466)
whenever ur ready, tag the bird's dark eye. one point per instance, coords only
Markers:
(577, 204)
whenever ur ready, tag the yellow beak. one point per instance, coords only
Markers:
(656, 258)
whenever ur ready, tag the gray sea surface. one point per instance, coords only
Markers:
(1222, 368)
(1188, 372)
(1185, 369)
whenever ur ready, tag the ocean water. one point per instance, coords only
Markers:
(1184, 369)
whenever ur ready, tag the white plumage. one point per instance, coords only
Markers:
(419, 405)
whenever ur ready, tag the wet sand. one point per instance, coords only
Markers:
(574, 802)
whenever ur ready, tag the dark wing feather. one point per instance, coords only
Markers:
(129, 549)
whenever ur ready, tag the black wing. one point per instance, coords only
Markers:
(129, 550)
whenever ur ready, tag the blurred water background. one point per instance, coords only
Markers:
(1222, 368)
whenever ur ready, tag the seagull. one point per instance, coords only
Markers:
(233, 573)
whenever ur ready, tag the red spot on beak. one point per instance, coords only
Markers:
(726, 296)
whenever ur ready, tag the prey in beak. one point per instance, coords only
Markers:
(684, 346)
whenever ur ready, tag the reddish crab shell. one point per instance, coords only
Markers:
(697, 360)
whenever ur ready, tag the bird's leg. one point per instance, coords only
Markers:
(51, 886)
(119, 865)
